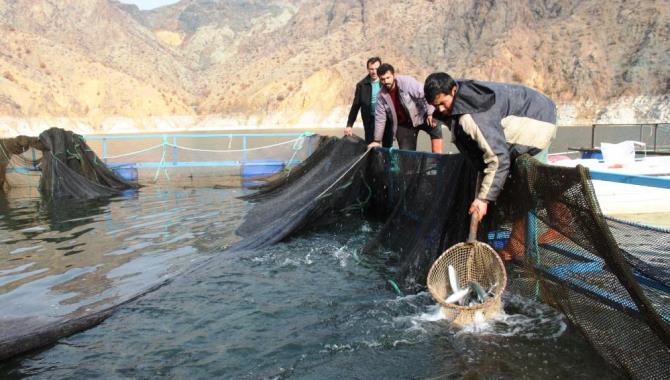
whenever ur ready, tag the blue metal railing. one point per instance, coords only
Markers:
(174, 161)
(171, 141)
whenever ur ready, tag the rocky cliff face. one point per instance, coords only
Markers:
(280, 60)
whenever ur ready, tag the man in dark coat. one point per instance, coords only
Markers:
(492, 124)
(365, 100)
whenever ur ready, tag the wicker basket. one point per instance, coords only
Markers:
(473, 261)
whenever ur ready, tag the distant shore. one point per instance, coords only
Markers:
(33, 126)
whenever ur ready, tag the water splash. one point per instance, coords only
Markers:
(530, 319)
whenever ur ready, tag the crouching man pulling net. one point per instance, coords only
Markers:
(70, 169)
(492, 124)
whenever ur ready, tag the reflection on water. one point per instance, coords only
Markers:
(70, 258)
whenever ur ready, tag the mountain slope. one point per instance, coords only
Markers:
(280, 60)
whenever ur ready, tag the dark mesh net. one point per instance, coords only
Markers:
(330, 180)
(607, 277)
(70, 169)
(341, 177)
(613, 287)
(640, 246)
(424, 199)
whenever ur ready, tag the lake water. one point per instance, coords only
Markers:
(307, 308)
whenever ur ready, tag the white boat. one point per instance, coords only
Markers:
(638, 187)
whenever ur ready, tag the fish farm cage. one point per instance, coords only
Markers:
(227, 159)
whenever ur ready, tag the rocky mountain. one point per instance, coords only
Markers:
(292, 61)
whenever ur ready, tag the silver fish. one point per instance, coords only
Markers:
(457, 296)
(490, 291)
(480, 294)
(453, 279)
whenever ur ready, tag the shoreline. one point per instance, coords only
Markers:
(35, 130)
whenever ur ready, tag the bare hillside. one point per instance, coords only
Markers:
(281, 60)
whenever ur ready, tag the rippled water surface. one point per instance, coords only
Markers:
(308, 308)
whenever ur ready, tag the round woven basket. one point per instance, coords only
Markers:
(474, 261)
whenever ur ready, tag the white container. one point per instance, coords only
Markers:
(621, 154)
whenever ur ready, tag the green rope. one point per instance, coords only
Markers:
(394, 160)
(395, 287)
(73, 154)
(297, 147)
(360, 205)
(161, 165)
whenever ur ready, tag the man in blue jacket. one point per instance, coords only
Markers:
(492, 124)
(402, 108)
(365, 100)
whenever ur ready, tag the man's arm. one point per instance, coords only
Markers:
(380, 118)
(355, 106)
(495, 154)
(415, 90)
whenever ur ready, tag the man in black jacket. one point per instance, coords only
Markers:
(365, 99)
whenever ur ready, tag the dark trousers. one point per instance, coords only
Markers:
(407, 135)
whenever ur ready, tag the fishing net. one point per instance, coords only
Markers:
(196, 159)
(328, 182)
(342, 178)
(423, 199)
(615, 293)
(68, 168)
(14, 156)
(639, 245)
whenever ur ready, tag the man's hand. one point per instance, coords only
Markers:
(348, 131)
(430, 121)
(480, 206)
(374, 144)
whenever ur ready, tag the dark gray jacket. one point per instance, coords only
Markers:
(493, 123)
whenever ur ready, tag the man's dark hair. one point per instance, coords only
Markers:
(372, 60)
(384, 68)
(437, 83)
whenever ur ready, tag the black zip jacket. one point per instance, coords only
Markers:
(362, 102)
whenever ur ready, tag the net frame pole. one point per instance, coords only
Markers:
(244, 149)
(104, 150)
(175, 151)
